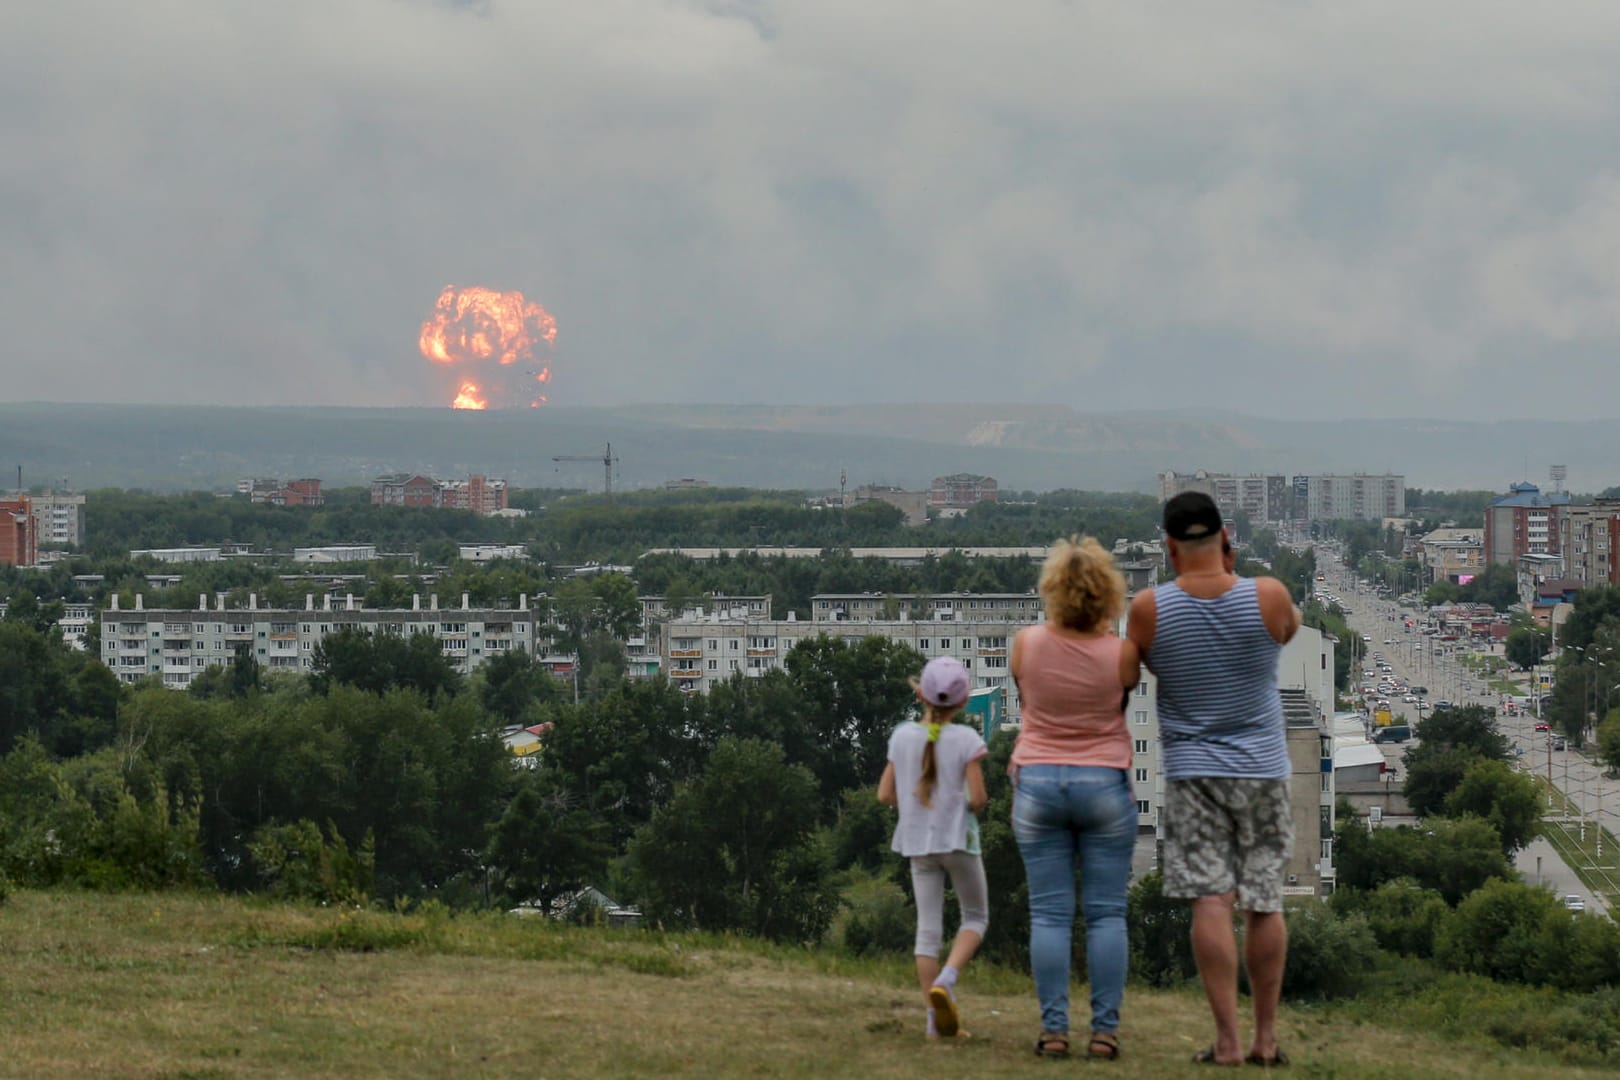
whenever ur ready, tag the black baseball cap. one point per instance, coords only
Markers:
(1192, 515)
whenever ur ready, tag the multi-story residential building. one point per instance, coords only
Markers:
(1589, 540)
(656, 608)
(404, 489)
(960, 607)
(1523, 522)
(59, 519)
(1259, 498)
(959, 491)
(482, 494)
(177, 645)
(19, 544)
(1358, 497)
(1532, 571)
(704, 650)
(303, 492)
(75, 621)
(1453, 555)
(477, 493)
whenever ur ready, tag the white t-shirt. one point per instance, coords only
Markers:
(946, 824)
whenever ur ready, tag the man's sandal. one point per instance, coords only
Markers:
(1052, 1044)
(1206, 1056)
(1276, 1061)
(1104, 1046)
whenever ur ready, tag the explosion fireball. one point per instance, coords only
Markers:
(488, 339)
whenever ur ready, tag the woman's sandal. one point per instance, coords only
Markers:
(1104, 1046)
(1053, 1044)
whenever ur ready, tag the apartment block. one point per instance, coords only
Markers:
(1358, 497)
(481, 494)
(960, 607)
(1454, 555)
(1259, 498)
(1523, 522)
(1589, 539)
(302, 492)
(703, 651)
(177, 645)
(58, 519)
(960, 491)
(19, 543)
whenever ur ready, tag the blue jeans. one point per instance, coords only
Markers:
(1059, 811)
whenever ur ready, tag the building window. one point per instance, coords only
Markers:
(1327, 781)
(1141, 689)
(1141, 776)
(922, 644)
(945, 644)
(714, 665)
(1142, 806)
(1141, 746)
(1327, 850)
(1141, 716)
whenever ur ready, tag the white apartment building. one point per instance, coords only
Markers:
(58, 519)
(971, 607)
(179, 644)
(704, 650)
(1358, 497)
(74, 623)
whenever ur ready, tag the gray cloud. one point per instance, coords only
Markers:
(1281, 207)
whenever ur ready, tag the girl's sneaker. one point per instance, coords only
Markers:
(946, 1022)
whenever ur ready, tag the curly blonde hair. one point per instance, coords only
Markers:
(1080, 584)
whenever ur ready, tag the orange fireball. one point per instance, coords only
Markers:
(498, 332)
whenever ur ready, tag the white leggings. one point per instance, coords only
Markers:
(928, 883)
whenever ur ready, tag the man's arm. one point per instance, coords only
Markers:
(1141, 622)
(1282, 617)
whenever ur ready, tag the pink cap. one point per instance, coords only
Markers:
(945, 682)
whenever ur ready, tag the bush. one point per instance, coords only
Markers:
(298, 862)
(1161, 934)
(880, 920)
(1508, 931)
(1328, 956)
(5, 887)
(1404, 917)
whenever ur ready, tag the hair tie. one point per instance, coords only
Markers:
(933, 731)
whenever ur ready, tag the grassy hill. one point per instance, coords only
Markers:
(206, 986)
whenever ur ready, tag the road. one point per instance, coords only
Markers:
(1420, 660)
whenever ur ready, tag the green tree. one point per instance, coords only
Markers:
(1497, 931)
(736, 849)
(546, 845)
(1608, 740)
(1525, 647)
(512, 684)
(1493, 792)
(1404, 916)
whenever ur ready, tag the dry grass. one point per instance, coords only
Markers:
(182, 986)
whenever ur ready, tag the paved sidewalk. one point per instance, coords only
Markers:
(1540, 864)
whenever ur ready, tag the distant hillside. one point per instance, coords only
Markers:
(1024, 446)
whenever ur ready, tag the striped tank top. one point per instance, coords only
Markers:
(1220, 713)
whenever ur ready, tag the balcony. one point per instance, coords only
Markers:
(686, 654)
(284, 637)
(992, 652)
(762, 652)
(687, 673)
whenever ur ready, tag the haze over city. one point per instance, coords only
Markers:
(1283, 210)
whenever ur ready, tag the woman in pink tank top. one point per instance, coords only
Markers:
(1073, 801)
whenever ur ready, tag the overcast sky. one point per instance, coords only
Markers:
(1286, 208)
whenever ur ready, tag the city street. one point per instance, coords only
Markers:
(1419, 660)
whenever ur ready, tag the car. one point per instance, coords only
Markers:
(1542, 725)
(1558, 743)
(1574, 902)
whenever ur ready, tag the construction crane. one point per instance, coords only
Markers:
(608, 461)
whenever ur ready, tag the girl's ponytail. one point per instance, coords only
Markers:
(933, 721)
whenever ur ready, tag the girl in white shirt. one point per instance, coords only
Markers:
(933, 777)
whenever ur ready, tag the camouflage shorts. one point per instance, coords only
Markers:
(1225, 834)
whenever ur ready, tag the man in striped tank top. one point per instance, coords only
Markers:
(1212, 639)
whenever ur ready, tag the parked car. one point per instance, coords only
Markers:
(1574, 902)
(1542, 725)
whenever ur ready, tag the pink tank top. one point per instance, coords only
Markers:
(1073, 704)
